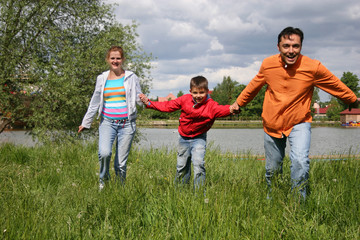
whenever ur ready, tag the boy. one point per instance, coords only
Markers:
(198, 113)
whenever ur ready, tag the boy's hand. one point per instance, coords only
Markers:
(144, 99)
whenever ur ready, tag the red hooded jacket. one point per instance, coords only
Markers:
(195, 118)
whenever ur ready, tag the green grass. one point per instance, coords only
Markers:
(51, 192)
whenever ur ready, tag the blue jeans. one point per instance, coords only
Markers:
(191, 150)
(110, 130)
(299, 140)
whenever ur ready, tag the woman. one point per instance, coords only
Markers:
(115, 97)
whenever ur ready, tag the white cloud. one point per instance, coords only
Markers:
(215, 45)
(230, 37)
(354, 12)
(228, 24)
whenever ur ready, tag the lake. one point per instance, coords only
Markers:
(324, 140)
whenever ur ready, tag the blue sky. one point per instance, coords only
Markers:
(217, 38)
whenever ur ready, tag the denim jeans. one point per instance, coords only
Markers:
(299, 140)
(191, 150)
(109, 130)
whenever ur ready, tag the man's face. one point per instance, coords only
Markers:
(199, 94)
(290, 48)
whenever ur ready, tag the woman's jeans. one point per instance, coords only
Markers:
(124, 132)
(191, 150)
(299, 140)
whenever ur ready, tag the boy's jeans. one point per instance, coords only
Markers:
(191, 150)
(109, 130)
(299, 140)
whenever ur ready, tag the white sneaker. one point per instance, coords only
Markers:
(101, 186)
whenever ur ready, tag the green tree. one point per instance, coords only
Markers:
(225, 92)
(253, 109)
(333, 112)
(352, 81)
(50, 54)
(180, 93)
(228, 90)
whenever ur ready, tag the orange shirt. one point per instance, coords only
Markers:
(289, 92)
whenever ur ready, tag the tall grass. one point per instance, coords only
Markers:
(51, 192)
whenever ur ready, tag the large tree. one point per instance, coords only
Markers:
(352, 81)
(228, 90)
(253, 109)
(225, 92)
(50, 54)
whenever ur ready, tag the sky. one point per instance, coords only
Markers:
(217, 38)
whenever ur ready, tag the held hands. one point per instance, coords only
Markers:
(144, 98)
(235, 108)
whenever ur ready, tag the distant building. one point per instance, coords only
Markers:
(320, 112)
(169, 97)
(347, 116)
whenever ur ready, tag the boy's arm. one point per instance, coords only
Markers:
(221, 110)
(224, 110)
(168, 106)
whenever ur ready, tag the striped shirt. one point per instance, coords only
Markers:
(115, 106)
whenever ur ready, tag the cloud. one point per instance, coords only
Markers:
(230, 37)
(215, 45)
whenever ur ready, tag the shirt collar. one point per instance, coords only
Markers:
(202, 102)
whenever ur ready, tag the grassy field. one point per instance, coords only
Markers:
(51, 192)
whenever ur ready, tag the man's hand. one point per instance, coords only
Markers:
(234, 108)
(354, 105)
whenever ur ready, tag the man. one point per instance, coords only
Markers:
(290, 78)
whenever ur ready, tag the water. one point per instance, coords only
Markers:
(324, 140)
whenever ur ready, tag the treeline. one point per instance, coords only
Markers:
(228, 90)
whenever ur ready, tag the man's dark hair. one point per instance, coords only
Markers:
(199, 82)
(290, 31)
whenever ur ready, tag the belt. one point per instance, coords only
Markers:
(116, 120)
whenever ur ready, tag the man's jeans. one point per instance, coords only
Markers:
(299, 140)
(110, 130)
(191, 150)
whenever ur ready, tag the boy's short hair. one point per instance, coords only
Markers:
(199, 82)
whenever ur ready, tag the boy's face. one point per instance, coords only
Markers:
(199, 94)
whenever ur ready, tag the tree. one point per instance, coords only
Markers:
(352, 81)
(333, 112)
(50, 54)
(180, 93)
(225, 92)
(228, 90)
(254, 108)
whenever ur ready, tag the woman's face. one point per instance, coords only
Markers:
(115, 61)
